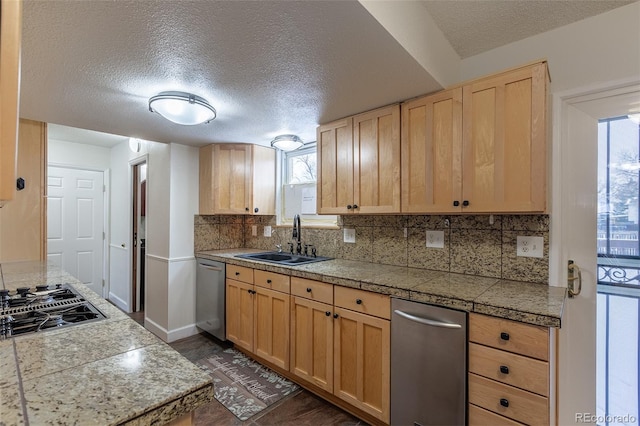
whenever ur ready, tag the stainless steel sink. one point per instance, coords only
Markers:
(283, 258)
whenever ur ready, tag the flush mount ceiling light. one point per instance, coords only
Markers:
(287, 142)
(182, 108)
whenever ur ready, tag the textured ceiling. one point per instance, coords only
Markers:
(475, 26)
(269, 67)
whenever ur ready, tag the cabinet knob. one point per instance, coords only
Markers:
(349, 207)
(308, 289)
(465, 203)
(249, 291)
(268, 281)
(504, 336)
(504, 369)
(355, 206)
(335, 315)
(328, 313)
(359, 301)
(237, 273)
(504, 402)
(456, 203)
(255, 210)
(246, 209)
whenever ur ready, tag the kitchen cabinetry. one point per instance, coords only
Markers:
(258, 313)
(237, 179)
(509, 372)
(10, 41)
(504, 142)
(356, 326)
(480, 148)
(359, 163)
(432, 153)
(23, 221)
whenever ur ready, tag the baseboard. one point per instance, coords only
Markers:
(124, 306)
(173, 335)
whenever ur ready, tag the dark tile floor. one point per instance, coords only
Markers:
(299, 408)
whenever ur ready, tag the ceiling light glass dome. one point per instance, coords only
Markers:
(287, 142)
(182, 108)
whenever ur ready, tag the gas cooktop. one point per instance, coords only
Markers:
(45, 308)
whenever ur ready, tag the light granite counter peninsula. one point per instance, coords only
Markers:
(531, 303)
(106, 372)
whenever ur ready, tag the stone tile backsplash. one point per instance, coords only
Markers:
(473, 245)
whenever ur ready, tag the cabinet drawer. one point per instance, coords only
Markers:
(314, 290)
(363, 301)
(240, 273)
(524, 339)
(516, 370)
(481, 417)
(271, 280)
(521, 405)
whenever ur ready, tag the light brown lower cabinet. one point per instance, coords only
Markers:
(257, 316)
(511, 367)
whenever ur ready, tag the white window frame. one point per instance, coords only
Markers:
(285, 218)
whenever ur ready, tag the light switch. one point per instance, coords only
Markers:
(530, 246)
(435, 239)
(267, 231)
(349, 235)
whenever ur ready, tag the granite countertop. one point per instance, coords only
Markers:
(530, 303)
(107, 372)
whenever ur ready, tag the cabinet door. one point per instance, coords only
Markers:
(432, 153)
(231, 178)
(239, 308)
(376, 147)
(263, 181)
(271, 329)
(362, 362)
(312, 342)
(335, 167)
(504, 142)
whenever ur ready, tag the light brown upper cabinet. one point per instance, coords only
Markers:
(359, 163)
(504, 142)
(237, 179)
(480, 148)
(10, 37)
(432, 152)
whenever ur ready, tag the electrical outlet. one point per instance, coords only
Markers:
(267, 231)
(435, 239)
(254, 230)
(349, 235)
(530, 246)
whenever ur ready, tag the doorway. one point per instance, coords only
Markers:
(574, 235)
(75, 224)
(139, 235)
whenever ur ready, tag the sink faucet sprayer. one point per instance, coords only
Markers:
(297, 228)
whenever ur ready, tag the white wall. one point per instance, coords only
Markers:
(78, 155)
(603, 48)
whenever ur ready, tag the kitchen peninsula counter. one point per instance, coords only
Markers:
(531, 303)
(105, 372)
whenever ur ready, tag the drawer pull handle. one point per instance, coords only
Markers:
(504, 369)
(268, 281)
(504, 336)
(328, 313)
(308, 289)
(237, 273)
(504, 402)
(359, 301)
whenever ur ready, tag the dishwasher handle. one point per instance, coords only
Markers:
(213, 268)
(426, 321)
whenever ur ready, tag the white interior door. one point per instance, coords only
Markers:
(574, 228)
(75, 223)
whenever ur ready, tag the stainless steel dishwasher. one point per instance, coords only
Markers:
(210, 297)
(428, 364)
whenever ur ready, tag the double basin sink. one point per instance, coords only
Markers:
(283, 258)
